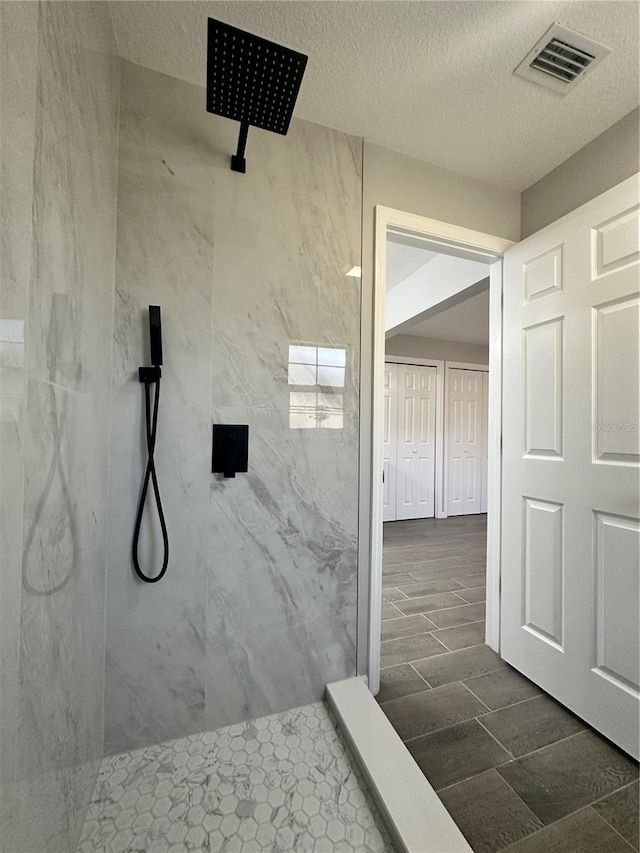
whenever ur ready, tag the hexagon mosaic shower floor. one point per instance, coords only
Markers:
(286, 782)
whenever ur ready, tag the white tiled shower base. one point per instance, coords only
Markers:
(286, 782)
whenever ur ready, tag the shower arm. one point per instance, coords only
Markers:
(238, 162)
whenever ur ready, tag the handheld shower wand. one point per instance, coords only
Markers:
(151, 376)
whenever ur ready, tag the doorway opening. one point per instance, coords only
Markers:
(435, 460)
(511, 731)
(436, 425)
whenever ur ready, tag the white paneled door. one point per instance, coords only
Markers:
(485, 442)
(466, 455)
(409, 442)
(390, 442)
(571, 456)
(416, 442)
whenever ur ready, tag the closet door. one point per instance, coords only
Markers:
(390, 442)
(464, 446)
(416, 442)
(485, 440)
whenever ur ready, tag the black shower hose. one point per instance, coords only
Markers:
(150, 474)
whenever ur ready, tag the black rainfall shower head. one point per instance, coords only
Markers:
(251, 80)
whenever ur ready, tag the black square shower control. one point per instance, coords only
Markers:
(230, 454)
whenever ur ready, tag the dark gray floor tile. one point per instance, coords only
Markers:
(391, 612)
(456, 753)
(419, 548)
(408, 649)
(404, 556)
(426, 603)
(431, 587)
(425, 572)
(582, 832)
(473, 594)
(394, 580)
(565, 776)
(471, 580)
(621, 810)
(425, 712)
(475, 560)
(405, 626)
(461, 637)
(489, 814)
(458, 615)
(532, 724)
(392, 594)
(399, 681)
(458, 666)
(502, 688)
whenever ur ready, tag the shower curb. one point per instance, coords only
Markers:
(414, 814)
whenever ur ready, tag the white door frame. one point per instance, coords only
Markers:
(453, 365)
(474, 245)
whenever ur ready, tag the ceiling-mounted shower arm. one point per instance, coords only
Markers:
(238, 162)
(251, 80)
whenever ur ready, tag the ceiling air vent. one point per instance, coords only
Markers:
(561, 59)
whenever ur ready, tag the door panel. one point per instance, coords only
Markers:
(616, 542)
(571, 462)
(485, 440)
(390, 442)
(543, 344)
(416, 441)
(466, 447)
(543, 569)
(616, 393)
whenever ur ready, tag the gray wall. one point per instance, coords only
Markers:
(59, 91)
(257, 611)
(395, 180)
(413, 346)
(606, 161)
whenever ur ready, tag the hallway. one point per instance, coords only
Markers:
(514, 768)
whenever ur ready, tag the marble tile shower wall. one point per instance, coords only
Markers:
(59, 102)
(261, 326)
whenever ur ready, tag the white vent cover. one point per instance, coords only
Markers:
(561, 59)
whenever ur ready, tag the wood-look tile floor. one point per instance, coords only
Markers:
(514, 768)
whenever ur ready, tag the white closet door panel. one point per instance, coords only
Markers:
(466, 441)
(485, 440)
(390, 443)
(416, 441)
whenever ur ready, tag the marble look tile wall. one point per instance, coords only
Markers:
(60, 89)
(258, 608)
(18, 35)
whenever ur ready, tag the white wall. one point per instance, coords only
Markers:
(412, 346)
(429, 286)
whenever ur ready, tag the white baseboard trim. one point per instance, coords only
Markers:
(410, 807)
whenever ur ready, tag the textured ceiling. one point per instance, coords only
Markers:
(466, 322)
(429, 79)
